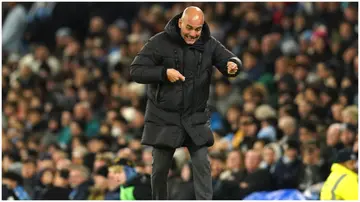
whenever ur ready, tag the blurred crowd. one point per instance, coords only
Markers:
(72, 118)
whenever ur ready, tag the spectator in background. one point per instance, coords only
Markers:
(97, 192)
(249, 182)
(79, 182)
(28, 171)
(14, 28)
(289, 167)
(60, 189)
(14, 182)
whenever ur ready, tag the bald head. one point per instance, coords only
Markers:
(191, 23)
(193, 14)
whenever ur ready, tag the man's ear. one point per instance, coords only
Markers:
(180, 23)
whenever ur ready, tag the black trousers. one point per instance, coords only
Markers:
(162, 159)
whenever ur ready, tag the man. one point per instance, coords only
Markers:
(177, 65)
(342, 183)
(14, 186)
(28, 172)
(288, 168)
(79, 179)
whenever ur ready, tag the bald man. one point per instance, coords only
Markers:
(176, 64)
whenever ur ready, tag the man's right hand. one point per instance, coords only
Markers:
(173, 75)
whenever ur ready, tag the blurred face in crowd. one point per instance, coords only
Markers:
(351, 165)
(75, 129)
(147, 156)
(291, 153)
(83, 94)
(76, 178)
(310, 156)
(319, 44)
(304, 108)
(63, 164)
(65, 118)
(47, 177)
(191, 24)
(349, 55)
(281, 65)
(322, 71)
(232, 115)
(259, 146)
(269, 155)
(116, 177)
(254, 45)
(300, 73)
(349, 117)
(12, 96)
(217, 166)
(305, 135)
(222, 89)
(310, 95)
(72, 48)
(80, 112)
(252, 160)
(25, 71)
(332, 135)
(41, 53)
(299, 22)
(35, 102)
(350, 14)
(96, 24)
(345, 30)
(100, 182)
(59, 181)
(249, 107)
(9, 109)
(95, 146)
(34, 117)
(347, 137)
(28, 170)
(249, 61)
(98, 163)
(115, 34)
(336, 110)
(234, 160)
(248, 125)
(104, 129)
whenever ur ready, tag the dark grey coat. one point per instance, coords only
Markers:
(177, 109)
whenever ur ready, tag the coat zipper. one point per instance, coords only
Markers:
(194, 86)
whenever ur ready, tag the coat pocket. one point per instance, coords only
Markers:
(162, 135)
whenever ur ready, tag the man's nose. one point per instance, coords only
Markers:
(193, 33)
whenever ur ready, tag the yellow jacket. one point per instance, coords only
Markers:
(342, 184)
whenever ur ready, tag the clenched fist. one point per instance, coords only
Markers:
(173, 75)
(232, 67)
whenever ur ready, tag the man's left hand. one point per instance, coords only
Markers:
(232, 67)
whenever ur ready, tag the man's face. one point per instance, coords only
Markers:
(269, 156)
(28, 170)
(76, 178)
(190, 28)
(252, 160)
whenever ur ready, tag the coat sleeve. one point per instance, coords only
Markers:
(222, 56)
(146, 67)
